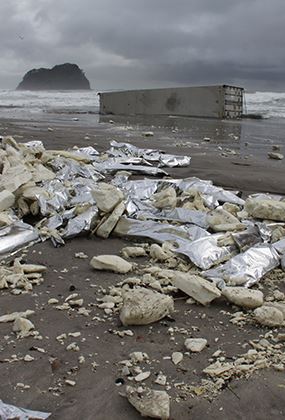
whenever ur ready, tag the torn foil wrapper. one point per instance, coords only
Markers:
(205, 252)
(10, 412)
(158, 232)
(247, 268)
(16, 236)
(213, 194)
(247, 238)
(120, 150)
(82, 223)
(179, 214)
(111, 167)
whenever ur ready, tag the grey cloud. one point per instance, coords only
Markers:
(134, 43)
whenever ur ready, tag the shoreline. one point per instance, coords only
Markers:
(95, 394)
(233, 154)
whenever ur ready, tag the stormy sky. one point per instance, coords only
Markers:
(147, 43)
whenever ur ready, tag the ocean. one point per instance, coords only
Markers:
(36, 104)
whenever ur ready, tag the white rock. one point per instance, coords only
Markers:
(161, 379)
(157, 253)
(268, 316)
(222, 220)
(278, 305)
(7, 199)
(14, 177)
(195, 345)
(138, 356)
(133, 251)
(142, 306)
(165, 198)
(14, 315)
(33, 268)
(246, 298)
(195, 286)
(149, 402)
(107, 225)
(70, 382)
(107, 196)
(176, 357)
(266, 209)
(22, 325)
(28, 358)
(111, 263)
(142, 376)
(276, 156)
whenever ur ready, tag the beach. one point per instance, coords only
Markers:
(232, 154)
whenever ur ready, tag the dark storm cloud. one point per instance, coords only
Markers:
(135, 43)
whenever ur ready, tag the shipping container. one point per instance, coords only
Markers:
(220, 101)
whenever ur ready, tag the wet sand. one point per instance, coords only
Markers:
(95, 395)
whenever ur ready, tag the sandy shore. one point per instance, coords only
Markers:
(226, 160)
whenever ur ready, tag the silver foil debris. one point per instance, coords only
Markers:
(247, 268)
(15, 237)
(8, 412)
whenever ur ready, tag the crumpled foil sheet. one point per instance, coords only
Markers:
(10, 412)
(81, 223)
(158, 232)
(121, 150)
(213, 194)
(112, 166)
(179, 214)
(205, 252)
(16, 236)
(247, 268)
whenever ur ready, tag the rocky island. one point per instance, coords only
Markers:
(61, 77)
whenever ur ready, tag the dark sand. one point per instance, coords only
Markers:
(95, 395)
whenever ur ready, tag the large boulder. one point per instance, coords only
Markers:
(61, 77)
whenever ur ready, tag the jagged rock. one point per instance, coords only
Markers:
(195, 286)
(246, 298)
(149, 402)
(268, 316)
(107, 196)
(133, 251)
(142, 306)
(165, 198)
(7, 199)
(108, 223)
(195, 345)
(266, 209)
(111, 263)
(60, 77)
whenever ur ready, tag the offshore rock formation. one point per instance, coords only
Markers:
(61, 77)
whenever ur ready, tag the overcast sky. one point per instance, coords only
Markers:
(147, 43)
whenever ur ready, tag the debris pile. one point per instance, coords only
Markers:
(197, 241)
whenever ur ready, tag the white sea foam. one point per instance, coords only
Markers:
(268, 104)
